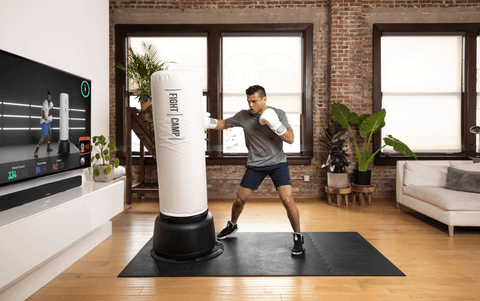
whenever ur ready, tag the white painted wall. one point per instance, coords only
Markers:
(71, 35)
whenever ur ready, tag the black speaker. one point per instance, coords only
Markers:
(28, 195)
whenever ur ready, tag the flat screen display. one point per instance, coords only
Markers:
(44, 119)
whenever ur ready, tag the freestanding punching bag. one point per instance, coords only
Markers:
(64, 143)
(184, 230)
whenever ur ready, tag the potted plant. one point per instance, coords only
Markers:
(336, 157)
(367, 125)
(103, 172)
(140, 68)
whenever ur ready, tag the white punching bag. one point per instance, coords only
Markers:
(179, 138)
(64, 143)
(184, 229)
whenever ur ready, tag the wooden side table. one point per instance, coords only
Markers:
(362, 191)
(338, 192)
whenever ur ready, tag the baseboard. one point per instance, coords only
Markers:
(38, 278)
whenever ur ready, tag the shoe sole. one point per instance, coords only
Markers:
(298, 253)
(223, 237)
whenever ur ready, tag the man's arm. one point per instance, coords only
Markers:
(222, 125)
(288, 137)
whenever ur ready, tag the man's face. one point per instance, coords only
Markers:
(49, 98)
(256, 104)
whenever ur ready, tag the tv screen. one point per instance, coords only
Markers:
(44, 119)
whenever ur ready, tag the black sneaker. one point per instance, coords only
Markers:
(298, 248)
(230, 229)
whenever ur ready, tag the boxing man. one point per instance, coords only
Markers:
(45, 120)
(265, 130)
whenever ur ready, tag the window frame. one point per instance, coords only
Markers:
(214, 98)
(469, 94)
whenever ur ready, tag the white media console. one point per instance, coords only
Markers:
(41, 239)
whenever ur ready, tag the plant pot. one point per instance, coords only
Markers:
(146, 102)
(362, 177)
(337, 180)
(103, 177)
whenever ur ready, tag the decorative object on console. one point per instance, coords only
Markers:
(103, 172)
(367, 125)
(336, 157)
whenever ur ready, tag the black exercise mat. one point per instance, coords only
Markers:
(268, 254)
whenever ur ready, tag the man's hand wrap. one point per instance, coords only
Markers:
(50, 118)
(209, 123)
(270, 118)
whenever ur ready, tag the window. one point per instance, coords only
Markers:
(281, 62)
(423, 78)
(276, 63)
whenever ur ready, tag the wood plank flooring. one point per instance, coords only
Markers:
(438, 267)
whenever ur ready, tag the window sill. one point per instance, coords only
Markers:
(384, 160)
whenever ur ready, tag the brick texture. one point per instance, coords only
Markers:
(342, 73)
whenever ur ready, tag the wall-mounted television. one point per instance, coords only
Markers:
(28, 90)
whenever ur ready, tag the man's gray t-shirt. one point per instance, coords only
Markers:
(265, 148)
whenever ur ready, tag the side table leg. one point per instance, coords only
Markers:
(354, 197)
(339, 200)
(329, 197)
(362, 199)
(369, 199)
(346, 200)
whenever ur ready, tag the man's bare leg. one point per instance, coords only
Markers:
(286, 196)
(243, 195)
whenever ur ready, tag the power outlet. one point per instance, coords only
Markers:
(306, 178)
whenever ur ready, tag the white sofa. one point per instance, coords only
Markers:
(420, 185)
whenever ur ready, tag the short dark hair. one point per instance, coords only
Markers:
(256, 89)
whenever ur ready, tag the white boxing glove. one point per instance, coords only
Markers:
(209, 123)
(50, 118)
(270, 118)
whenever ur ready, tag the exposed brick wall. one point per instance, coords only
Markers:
(342, 73)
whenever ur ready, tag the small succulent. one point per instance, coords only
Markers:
(336, 157)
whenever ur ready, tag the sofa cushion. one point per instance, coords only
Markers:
(463, 180)
(424, 174)
(445, 199)
(466, 165)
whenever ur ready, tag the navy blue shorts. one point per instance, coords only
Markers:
(254, 176)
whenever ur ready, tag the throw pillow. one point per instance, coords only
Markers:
(425, 174)
(463, 180)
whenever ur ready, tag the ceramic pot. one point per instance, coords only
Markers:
(337, 180)
(362, 177)
(103, 177)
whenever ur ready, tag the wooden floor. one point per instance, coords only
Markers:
(437, 267)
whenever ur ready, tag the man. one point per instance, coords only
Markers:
(45, 120)
(265, 130)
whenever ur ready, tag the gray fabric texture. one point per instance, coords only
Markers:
(265, 147)
(463, 180)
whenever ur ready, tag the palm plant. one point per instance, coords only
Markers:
(141, 67)
(367, 125)
(336, 157)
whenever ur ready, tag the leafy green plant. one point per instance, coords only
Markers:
(367, 125)
(102, 146)
(336, 157)
(140, 67)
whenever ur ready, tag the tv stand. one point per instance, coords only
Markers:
(43, 238)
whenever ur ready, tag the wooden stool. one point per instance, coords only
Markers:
(362, 191)
(338, 192)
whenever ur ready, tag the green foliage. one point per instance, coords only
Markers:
(336, 157)
(140, 67)
(102, 146)
(367, 125)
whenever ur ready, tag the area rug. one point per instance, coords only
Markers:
(268, 254)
